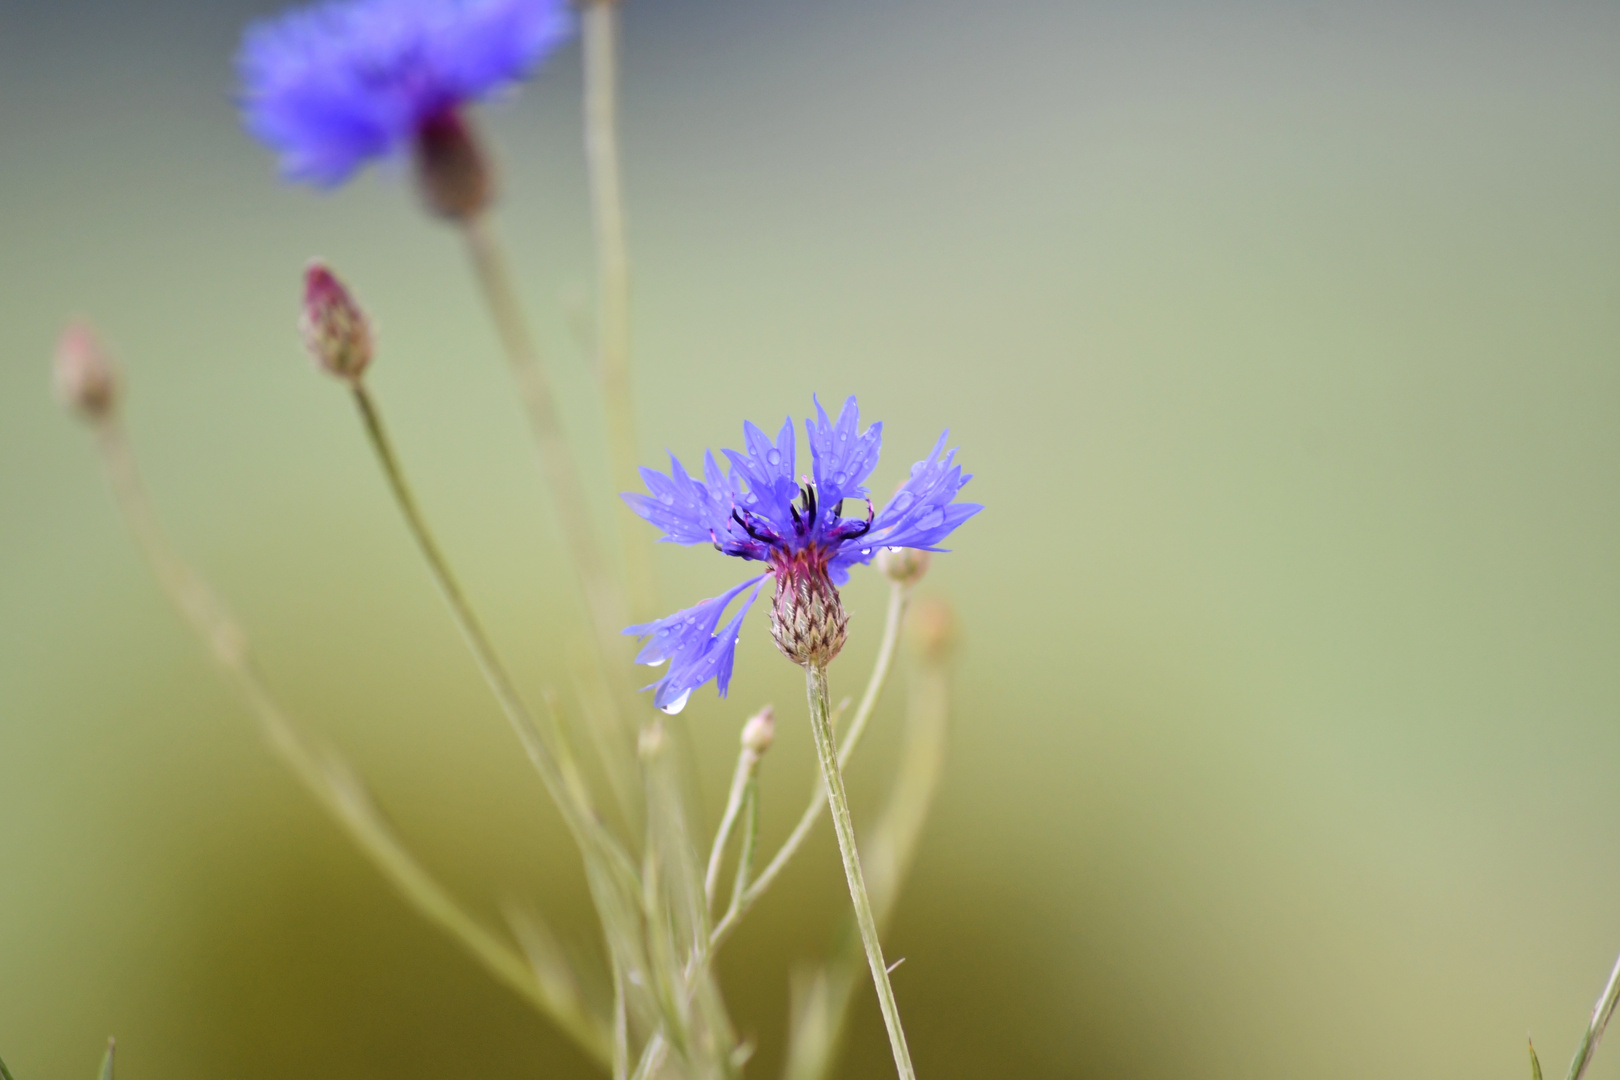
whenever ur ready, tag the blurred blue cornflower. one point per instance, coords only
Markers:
(332, 86)
(757, 510)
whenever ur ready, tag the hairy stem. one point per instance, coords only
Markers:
(334, 787)
(602, 601)
(600, 39)
(899, 599)
(1600, 1021)
(833, 777)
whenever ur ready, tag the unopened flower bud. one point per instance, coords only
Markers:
(904, 566)
(759, 732)
(807, 617)
(933, 626)
(86, 380)
(452, 168)
(336, 332)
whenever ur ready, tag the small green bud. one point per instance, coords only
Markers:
(904, 566)
(759, 732)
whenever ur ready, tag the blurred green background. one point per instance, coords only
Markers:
(1282, 339)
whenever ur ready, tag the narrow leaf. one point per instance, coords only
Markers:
(107, 1062)
(1535, 1062)
(5, 1073)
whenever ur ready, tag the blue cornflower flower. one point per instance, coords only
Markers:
(332, 86)
(757, 510)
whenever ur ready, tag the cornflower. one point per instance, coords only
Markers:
(335, 85)
(759, 512)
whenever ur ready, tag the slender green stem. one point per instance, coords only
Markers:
(750, 844)
(5, 1073)
(832, 776)
(899, 599)
(334, 787)
(599, 32)
(565, 791)
(821, 1015)
(602, 601)
(652, 1056)
(1600, 1021)
(747, 763)
(621, 1026)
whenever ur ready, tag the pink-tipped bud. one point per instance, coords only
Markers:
(759, 732)
(933, 625)
(452, 169)
(336, 332)
(904, 566)
(86, 380)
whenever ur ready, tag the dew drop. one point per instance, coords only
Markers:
(933, 520)
(902, 502)
(667, 499)
(677, 705)
(839, 478)
(774, 457)
(917, 468)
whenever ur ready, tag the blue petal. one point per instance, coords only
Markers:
(331, 86)
(767, 469)
(689, 510)
(696, 654)
(923, 512)
(844, 456)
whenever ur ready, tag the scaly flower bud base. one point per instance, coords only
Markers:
(808, 622)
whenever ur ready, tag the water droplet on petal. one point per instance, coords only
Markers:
(677, 705)
(839, 478)
(667, 499)
(917, 468)
(933, 520)
(902, 502)
(774, 457)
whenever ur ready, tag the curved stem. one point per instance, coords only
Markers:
(602, 602)
(599, 32)
(832, 775)
(471, 629)
(334, 787)
(899, 599)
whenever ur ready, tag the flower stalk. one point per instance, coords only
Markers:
(334, 786)
(602, 602)
(843, 824)
(600, 39)
(899, 602)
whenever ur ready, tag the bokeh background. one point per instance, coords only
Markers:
(1282, 339)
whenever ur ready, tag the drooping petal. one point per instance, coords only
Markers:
(844, 456)
(696, 653)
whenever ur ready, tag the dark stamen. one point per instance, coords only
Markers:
(749, 529)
